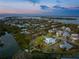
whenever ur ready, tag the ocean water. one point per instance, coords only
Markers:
(67, 21)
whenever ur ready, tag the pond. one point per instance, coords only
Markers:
(10, 46)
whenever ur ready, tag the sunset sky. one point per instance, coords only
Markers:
(42, 7)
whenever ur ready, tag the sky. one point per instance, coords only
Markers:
(40, 7)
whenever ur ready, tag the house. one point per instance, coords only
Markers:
(42, 26)
(54, 26)
(65, 45)
(66, 28)
(59, 33)
(55, 29)
(74, 36)
(66, 34)
(49, 21)
(26, 50)
(13, 24)
(50, 40)
(25, 32)
(51, 31)
(20, 26)
(78, 26)
(23, 29)
(63, 27)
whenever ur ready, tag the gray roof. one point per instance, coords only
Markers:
(66, 45)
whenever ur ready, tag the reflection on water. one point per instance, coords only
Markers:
(10, 46)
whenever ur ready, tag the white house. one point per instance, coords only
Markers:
(51, 31)
(20, 26)
(50, 40)
(74, 36)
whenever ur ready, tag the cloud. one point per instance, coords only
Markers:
(33, 1)
(60, 7)
(66, 7)
(16, 5)
(44, 7)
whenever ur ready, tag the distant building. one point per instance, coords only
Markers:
(25, 32)
(51, 31)
(49, 21)
(42, 26)
(20, 26)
